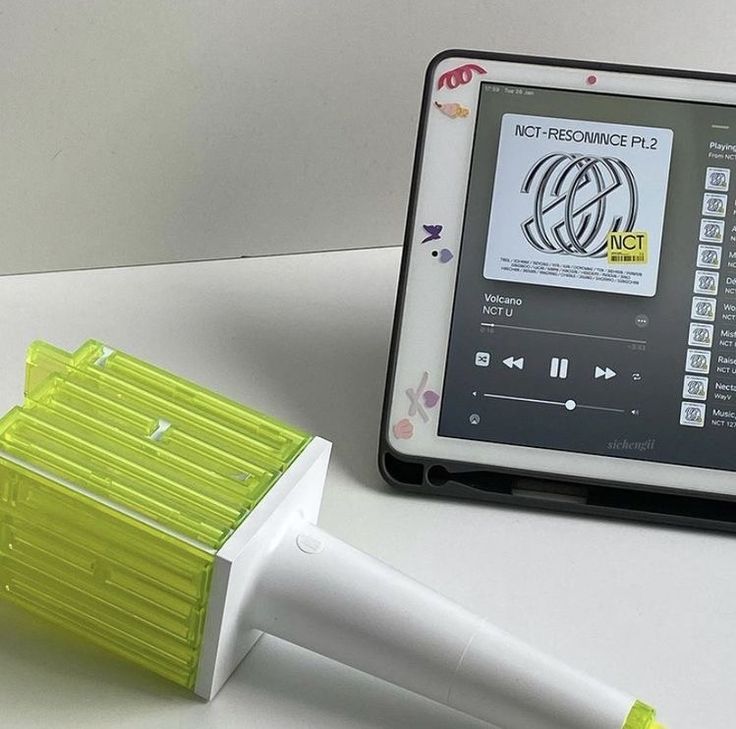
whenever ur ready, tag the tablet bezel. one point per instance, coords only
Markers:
(427, 283)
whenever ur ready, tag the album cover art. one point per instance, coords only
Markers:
(578, 204)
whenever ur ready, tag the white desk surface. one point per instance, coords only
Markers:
(649, 609)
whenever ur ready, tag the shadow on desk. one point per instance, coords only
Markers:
(84, 686)
(52, 678)
(298, 681)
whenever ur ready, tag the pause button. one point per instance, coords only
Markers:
(558, 367)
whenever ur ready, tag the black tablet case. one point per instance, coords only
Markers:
(539, 490)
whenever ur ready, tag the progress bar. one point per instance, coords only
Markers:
(568, 334)
(567, 404)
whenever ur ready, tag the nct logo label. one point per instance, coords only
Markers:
(628, 247)
(578, 202)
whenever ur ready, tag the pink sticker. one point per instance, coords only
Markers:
(453, 110)
(459, 76)
(403, 430)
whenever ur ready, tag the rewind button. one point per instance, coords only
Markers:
(514, 363)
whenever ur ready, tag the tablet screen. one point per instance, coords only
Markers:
(595, 304)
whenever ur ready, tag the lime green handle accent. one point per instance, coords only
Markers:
(118, 484)
(642, 716)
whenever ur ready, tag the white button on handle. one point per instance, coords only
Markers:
(309, 544)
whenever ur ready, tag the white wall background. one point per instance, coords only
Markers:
(151, 130)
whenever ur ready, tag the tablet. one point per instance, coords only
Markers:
(565, 331)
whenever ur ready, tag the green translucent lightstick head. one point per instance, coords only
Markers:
(121, 489)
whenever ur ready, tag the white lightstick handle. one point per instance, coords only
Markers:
(320, 593)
